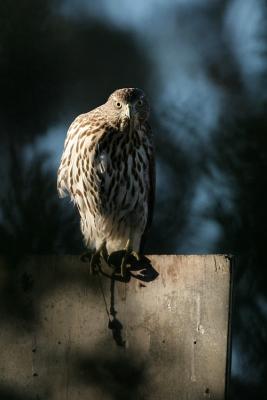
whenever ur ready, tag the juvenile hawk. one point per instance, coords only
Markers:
(107, 168)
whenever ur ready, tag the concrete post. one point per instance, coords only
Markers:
(162, 335)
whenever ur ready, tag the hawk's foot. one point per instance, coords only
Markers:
(95, 263)
(95, 258)
(86, 256)
(118, 261)
(130, 259)
(122, 260)
(136, 255)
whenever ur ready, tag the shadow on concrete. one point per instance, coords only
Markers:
(14, 393)
(136, 269)
(119, 377)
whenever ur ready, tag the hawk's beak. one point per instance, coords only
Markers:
(128, 111)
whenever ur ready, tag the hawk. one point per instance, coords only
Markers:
(107, 168)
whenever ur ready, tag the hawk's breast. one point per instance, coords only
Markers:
(121, 175)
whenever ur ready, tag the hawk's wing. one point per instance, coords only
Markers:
(74, 165)
(152, 185)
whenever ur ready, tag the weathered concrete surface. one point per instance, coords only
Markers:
(169, 338)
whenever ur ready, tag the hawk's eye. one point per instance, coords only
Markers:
(140, 103)
(118, 104)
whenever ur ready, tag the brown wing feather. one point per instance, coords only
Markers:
(78, 140)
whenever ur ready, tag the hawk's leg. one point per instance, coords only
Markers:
(86, 256)
(128, 252)
(95, 262)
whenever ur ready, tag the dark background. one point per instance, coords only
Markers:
(203, 64)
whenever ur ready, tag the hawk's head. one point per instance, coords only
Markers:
(129, 105)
